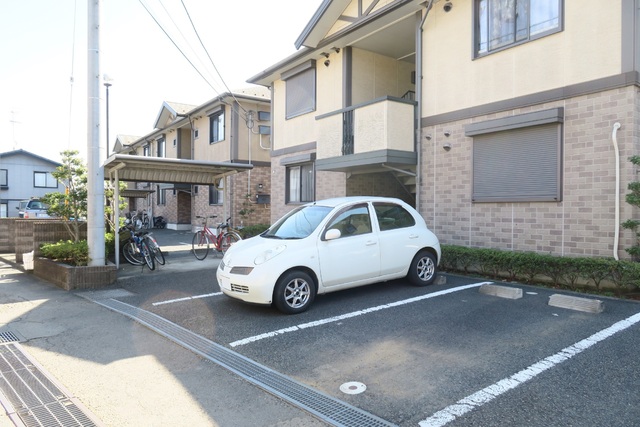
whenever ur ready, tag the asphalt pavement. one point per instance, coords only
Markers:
(118, 371)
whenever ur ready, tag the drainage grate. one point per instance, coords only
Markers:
(32, 398)
(8, 336)
(327, 408)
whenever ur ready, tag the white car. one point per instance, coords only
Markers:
(327, 246)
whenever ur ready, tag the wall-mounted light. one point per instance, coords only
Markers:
(336, 49)
(447, 6)
(427, 137)
(447, 133)
(325, 54)
(326, 63)
(259, 188)
(446, 147)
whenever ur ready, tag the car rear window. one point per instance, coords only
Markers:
(391, 216)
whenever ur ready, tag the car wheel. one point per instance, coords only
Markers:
(423, 269)
(294, 292)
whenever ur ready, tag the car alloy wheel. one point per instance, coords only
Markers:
(294, 292)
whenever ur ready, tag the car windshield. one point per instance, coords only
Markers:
(298, 223)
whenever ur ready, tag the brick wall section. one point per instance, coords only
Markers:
(71, 278)
(583, 224)
(328, 184)
(7, 235)
(30, 234)
(378, 184)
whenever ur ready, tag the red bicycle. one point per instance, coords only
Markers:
(221, 240)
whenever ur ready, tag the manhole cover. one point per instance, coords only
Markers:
(353, 387)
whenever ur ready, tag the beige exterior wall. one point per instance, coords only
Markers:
(304, 128)
(454, 80)
(376, 75)
(583, 224)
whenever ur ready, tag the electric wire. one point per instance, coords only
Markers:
(178, 47)
(209, 56)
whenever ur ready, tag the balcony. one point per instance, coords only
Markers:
(367, 137)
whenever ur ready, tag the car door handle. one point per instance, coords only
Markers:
(413, 236)
(371, 243)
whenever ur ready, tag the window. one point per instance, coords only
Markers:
(162, 151)
(300, 183)
(44, 180)
(4, 177)
(391, 216)
(216, 195)
(145, 151)
(4, 210)
(518, 158)
(502, 23)
(300, 89)
(352, 222)
(216, 126)
(162, 195)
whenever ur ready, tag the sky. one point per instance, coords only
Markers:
(43, 62)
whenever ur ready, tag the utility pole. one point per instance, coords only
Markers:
(95, 168)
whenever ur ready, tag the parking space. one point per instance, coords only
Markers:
(428, 356)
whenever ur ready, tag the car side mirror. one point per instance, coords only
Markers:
(332, 234)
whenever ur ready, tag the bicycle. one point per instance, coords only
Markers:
(140, 220)
(224, 237)
(136, 250)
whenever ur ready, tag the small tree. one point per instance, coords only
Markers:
(633, 198)
(72, 204)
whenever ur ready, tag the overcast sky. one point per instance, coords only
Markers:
(42, 111)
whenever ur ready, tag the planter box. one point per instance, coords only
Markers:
(70, 278)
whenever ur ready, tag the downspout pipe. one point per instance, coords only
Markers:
(614, 139)
(418, 121)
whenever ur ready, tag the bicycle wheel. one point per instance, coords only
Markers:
(200, 245)
(132, 254)
(228, 239)
(155, 249)
(145, 222)
(148, 257)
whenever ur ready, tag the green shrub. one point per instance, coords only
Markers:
(68, 252)
(252, 230)
(75, 253)
(535, 268)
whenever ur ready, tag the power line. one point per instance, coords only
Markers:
(178, 47)
(209, 56)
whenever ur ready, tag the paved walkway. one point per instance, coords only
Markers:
(123, 373)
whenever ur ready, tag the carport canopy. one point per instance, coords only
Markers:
(125, 167)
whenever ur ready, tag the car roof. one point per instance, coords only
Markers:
(337, 201)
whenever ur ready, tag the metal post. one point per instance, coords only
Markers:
(107, 85)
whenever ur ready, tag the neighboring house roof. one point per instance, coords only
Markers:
(175, 114)
(124, 142)
(169, 112)
(22, 152)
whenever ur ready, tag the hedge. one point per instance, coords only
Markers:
(535, 268)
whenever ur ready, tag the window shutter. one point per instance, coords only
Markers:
(518, 165)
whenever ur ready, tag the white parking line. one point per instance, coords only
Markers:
(171, 301)
(489, 393)
(352, 314)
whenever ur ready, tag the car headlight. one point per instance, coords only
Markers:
(267, 255)
(243, 271)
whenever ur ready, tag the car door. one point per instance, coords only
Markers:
(354, 257)
(398, 237)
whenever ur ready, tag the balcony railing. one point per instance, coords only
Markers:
(382, 124)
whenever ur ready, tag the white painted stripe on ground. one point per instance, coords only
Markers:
(171, 301)
(352, 314)
(489, 393)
